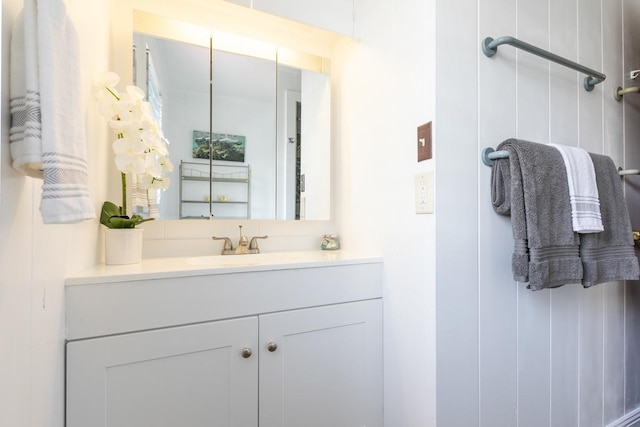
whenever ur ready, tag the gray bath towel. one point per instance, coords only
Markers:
(531, 186)
(609, 255)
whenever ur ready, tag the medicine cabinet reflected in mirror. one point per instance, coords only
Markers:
(253, 144)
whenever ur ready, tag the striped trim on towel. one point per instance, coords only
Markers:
(64, 187)
(25, 117)
(585, 214)
(583, 191)
(25, 134)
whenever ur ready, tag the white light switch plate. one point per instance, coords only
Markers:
(424, 192)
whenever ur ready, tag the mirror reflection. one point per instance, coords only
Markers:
(254, 144)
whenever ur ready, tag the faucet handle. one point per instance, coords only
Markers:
(227, 242)
(253, 244)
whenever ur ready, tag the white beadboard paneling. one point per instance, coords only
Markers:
(612, 45)
(591, 360)
(533, 342)
(570, 342)
(613, 357)
(564, 85)
(533, 73)
(613, 333)
(565, 309)
(631, 61)
(590, 55)
(497, 291)
(632, 345)
(534, 368)
(591, 139)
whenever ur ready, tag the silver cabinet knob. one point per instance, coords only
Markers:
(272, 346)
(246, 353)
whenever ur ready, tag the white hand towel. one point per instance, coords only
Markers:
(583, 190)
(143, 200)
(25, 135)
(51, 73)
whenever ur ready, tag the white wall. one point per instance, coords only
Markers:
(35, 258)
(384, 89)
(183, 112)
(256, 120)
(507, 356)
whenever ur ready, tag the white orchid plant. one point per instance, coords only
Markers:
(140, 148)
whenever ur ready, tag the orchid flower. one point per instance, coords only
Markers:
(140, 148)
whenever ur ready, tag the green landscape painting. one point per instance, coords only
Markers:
(224, 146)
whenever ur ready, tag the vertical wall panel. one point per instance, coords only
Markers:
(613, 322)
(591, 367)
(497, 290)
(564, 85)
(613, 356)
(612, 46)
(564, 356)
(533, 344)
(591, 139)
(632, 346)
(631, 61)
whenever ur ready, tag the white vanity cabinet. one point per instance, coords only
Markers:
(322, 367)
(286, 347)
(184, 376)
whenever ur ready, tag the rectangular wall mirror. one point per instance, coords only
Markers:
(248, 123)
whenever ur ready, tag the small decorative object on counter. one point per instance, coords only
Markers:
(330, 242)
(122, 245)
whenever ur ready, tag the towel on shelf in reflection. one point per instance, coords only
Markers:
(531, 186)
(609, 255)
(144, 201)
(583, 190)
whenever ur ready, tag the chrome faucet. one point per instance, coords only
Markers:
(244, 245)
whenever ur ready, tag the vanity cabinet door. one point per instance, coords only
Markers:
(192, 376)
(322, 367)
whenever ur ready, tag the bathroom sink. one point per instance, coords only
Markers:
(267, 258)
(224, 260)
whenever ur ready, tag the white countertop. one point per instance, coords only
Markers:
(154, 268)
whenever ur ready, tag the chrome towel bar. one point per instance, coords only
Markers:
(490, 47)
(488, 155)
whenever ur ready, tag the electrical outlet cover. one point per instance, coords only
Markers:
(424, 192)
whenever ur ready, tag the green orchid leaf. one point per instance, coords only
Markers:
(109, 210)
(110, 217)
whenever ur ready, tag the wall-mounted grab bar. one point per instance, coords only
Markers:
(619, 92)
(488, 155)
(490, 47)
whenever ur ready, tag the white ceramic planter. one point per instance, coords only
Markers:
(122, 245)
